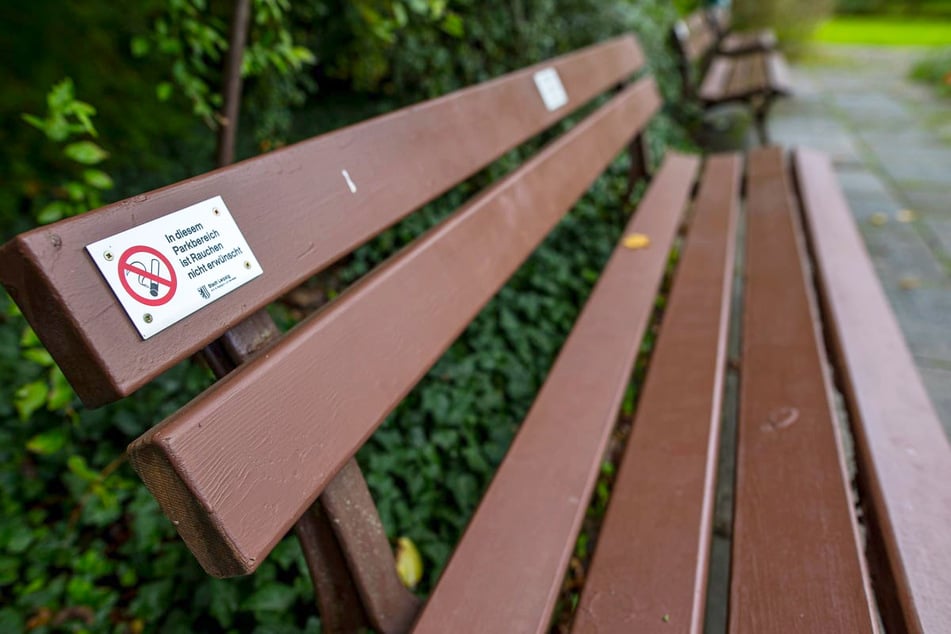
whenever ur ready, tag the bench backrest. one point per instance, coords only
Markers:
(233, 485)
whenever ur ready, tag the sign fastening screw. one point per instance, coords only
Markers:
(108, 256)
(215, 211)
(247, 264)
(147, 318)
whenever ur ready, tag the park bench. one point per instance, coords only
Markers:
(738, 68)
(271, 445)
(730, 42)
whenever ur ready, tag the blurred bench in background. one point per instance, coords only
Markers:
(271, 446)
(718, 68)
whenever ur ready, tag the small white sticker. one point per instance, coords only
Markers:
(550, 88)
(175, 265)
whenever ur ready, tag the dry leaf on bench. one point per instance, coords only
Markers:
(636, 241)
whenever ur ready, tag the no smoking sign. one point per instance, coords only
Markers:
(166, 269)
(152, 285)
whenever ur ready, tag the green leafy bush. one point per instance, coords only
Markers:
(935, 69)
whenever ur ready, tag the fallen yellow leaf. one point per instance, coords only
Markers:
(905, 215)
(909, 282)
(636, 241)
(878, 219)
(409, 565)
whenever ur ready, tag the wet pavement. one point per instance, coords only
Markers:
(890, 141)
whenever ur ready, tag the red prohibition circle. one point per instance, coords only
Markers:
(125, 268)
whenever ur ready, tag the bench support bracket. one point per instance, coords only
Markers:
(345, 547)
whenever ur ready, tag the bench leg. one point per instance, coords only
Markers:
(347, 552)
(761, 108)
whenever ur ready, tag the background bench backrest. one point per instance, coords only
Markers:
(695, 35)
(235, 468)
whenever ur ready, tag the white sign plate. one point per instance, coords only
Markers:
(175, 265)
(550, 88)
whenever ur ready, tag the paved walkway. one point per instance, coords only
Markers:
(890, 140)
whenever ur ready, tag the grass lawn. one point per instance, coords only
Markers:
(886, 30)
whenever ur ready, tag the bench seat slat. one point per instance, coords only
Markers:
(506, 572)
(778, 75)
(796, 561)
(903, 453)
(296, 211)
(717, 79)
(658, 523)
(256, 448)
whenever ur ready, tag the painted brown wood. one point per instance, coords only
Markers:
(903, 453)
(390, 607)
(255, 449)
(338, 601)
(344, 544)
(796, 560)
(747, 42)
(716, 80)
(649, 569)
(295, 209)
(506, 572)
(700, 36)
(780, 81)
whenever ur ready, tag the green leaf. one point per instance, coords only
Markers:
(98, 179)
(85, 152)
(34, 121)
(61, 392)
(224, 601)
(163, 91)
(77, 465)
(139, 46)
(48, 442)
(452, 25)
(29, 398)
(39, 356)
(56, 210)
(274, 597)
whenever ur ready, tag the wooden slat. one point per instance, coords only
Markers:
(506, 573)
(903, 453)
(748, 42)
(796, 562)
(743, 78)
(236, 466)
(652, 549)
(700, 35)
(717, 79)
(295, 209)
(780, 81)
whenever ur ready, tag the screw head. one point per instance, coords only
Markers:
(215, 211)
(247, 264)
(108, 255)
(147, 318)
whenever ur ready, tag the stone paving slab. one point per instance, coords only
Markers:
(890, 140)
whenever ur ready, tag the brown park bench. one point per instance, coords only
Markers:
(730, 42)
(717, 67)
(271, 446)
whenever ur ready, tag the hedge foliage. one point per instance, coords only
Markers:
(83, 546)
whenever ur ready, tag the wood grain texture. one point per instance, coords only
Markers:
(903, 453)
(796, 560)
(529, 517)
(658, 523)
(295, 209)
(256, 448)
